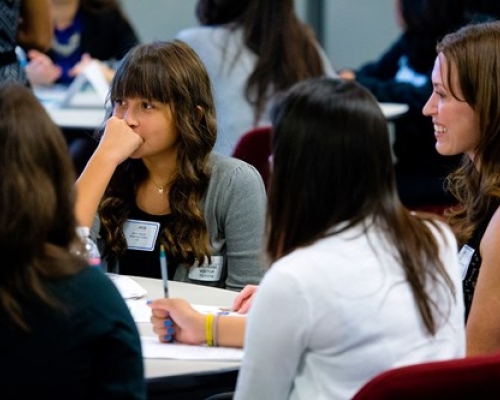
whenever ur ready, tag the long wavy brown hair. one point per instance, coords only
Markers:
(167, 72)
(332, 170)
(37, 222)
(473, 56)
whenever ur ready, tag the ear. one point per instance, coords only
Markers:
(199, 113)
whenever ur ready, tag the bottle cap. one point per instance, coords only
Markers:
(83, 231)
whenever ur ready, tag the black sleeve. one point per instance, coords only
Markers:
(386, 66)
(378, 77)
(107, 35)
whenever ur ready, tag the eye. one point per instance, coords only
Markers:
(147, 105)
(119, 102)
(440, 94)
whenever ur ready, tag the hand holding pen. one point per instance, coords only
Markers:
(189, 324)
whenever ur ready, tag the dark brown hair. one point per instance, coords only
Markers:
(37, 222)
(332, 170)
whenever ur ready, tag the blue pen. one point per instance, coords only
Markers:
(164, 271)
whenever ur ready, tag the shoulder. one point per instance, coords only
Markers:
(213, 41)
(105, 295)
(443, 233)
(193, 32)
(234, 182)
(202, 33)
(232, 169)
(491, 237)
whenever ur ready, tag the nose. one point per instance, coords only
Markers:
(129, 117)
(431, 106)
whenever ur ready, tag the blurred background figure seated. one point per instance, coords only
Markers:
(84, 31)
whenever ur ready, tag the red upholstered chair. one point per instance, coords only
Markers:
(254, 147)
(473, 378)
(434, 209)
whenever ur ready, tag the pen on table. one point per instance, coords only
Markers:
(164, 271)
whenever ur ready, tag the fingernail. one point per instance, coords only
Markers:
(167, 338)
(168, 322)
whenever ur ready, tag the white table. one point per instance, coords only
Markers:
(393, 110)
(195, 294)
(85, 110)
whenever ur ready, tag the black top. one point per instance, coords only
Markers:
(87, 349)
(420, 169)
(147, 263)
(470, 279)
(106, 35)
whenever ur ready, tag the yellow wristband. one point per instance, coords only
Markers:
(208, 329)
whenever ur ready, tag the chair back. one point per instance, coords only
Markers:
(473, 378)
(254, 147)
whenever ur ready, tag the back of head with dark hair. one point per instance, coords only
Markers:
(37, 223)
(332, 159)
(218, 12)
(332, 170)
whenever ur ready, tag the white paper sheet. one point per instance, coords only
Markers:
(128, 288)
(153, 348)
(140, 311)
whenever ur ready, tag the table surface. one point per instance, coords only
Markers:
(86, 109)
(195, 294)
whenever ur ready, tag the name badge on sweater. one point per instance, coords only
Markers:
(207, 272)
(141, 235)
(464, 257)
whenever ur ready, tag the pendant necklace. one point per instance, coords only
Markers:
(159, 188)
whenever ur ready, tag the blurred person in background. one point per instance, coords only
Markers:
(252, 50)
(83, 30)
(24, 24)
(403, 75)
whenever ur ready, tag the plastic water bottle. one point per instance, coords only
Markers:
(92, 251)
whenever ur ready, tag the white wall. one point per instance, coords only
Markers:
(355, 30)
(160, 19)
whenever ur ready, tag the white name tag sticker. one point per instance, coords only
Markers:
(464, 257)
(207, 272)
(141, 235)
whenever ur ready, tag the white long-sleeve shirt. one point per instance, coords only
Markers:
(328, 317)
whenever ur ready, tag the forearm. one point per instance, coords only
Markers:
(90, 187)
(231, 331)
